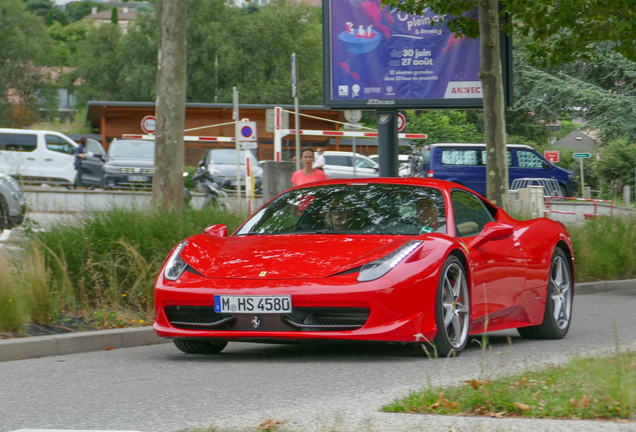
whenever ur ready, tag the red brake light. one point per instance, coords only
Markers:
(429, 174)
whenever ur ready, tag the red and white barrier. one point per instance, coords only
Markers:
(279, 133)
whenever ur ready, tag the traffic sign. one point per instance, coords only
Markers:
(149, 125)
(353, 116)
(552, 155)
(247, 130)
(581, 155)
(401, 122)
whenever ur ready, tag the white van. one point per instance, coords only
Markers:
(34, 156)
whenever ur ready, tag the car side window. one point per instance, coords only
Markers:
(338, 160)
(460, 157)
(18, 142)
(93, 147)
(484, 155)
(59, 144)
(528, 159)
(363, 163)
(471, 215)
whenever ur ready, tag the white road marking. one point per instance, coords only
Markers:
(65, 430)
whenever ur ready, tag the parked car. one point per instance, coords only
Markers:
(34, 156)
(339, 164)
(221, 166)
(129, 164)
(408, 261)
(403, 164)
(12, 204)
(93, 164)
(466, 164)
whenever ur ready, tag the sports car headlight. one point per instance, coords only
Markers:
(176, 265)
(378, 268)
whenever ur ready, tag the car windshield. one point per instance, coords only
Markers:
(132, 149)
(352, 209)
(228, 157)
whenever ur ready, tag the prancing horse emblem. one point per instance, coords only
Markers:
(256, 322)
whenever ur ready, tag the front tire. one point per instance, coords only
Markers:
(5, 219)
(558, 305)
(200, 347)
(452, 311)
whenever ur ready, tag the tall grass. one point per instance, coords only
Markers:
(605, 248)
(109, 260)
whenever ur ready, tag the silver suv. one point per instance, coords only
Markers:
(339, 164)
(12, 205)
(129, 164)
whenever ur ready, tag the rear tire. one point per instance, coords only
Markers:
(5, 220)
(200, 347)
(558, 305)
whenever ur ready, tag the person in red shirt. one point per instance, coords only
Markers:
(308, 174)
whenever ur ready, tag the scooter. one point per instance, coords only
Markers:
(214, 195)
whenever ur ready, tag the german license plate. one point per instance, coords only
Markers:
(138, 178)
(252, 304)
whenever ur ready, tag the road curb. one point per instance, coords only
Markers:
(74, 343)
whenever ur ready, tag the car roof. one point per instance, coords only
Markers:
(341, 153)
(446, 145)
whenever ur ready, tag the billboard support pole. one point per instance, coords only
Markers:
(388, 142)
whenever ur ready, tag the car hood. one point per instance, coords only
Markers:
(284, 256)
(127, 162)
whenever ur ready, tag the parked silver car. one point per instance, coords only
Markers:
(339, 164)
(12, 205)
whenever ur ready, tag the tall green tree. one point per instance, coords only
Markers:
(114, 16)
(24, 47)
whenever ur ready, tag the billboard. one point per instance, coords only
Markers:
(376, 57)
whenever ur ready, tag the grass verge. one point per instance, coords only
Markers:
(101, 270)
(585, 388)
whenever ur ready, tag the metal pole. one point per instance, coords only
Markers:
(582, 180)
(296, 108)
(237, 134)
(216, 76)
(354, 152)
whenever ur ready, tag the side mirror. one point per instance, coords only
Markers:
(545, 165)
(217, 230)
(493, 231)
(201, 163)
(98, 155)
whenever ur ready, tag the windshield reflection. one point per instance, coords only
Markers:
(352, 209)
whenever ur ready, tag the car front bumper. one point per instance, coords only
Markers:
(127, 181)
(380, 309)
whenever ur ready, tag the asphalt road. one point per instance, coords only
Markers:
(325, 387)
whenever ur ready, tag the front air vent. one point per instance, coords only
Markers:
(198, 318)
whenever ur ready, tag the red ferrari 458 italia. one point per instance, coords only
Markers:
(418, 261)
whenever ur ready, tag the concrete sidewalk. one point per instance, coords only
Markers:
(73, 343)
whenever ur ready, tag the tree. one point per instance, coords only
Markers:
(78, 10)
(39, 7)
(601, 89)
(63, 19)
(24, 47)
(443, 125)
(167, 187)
(114, 17)
(50, 18)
